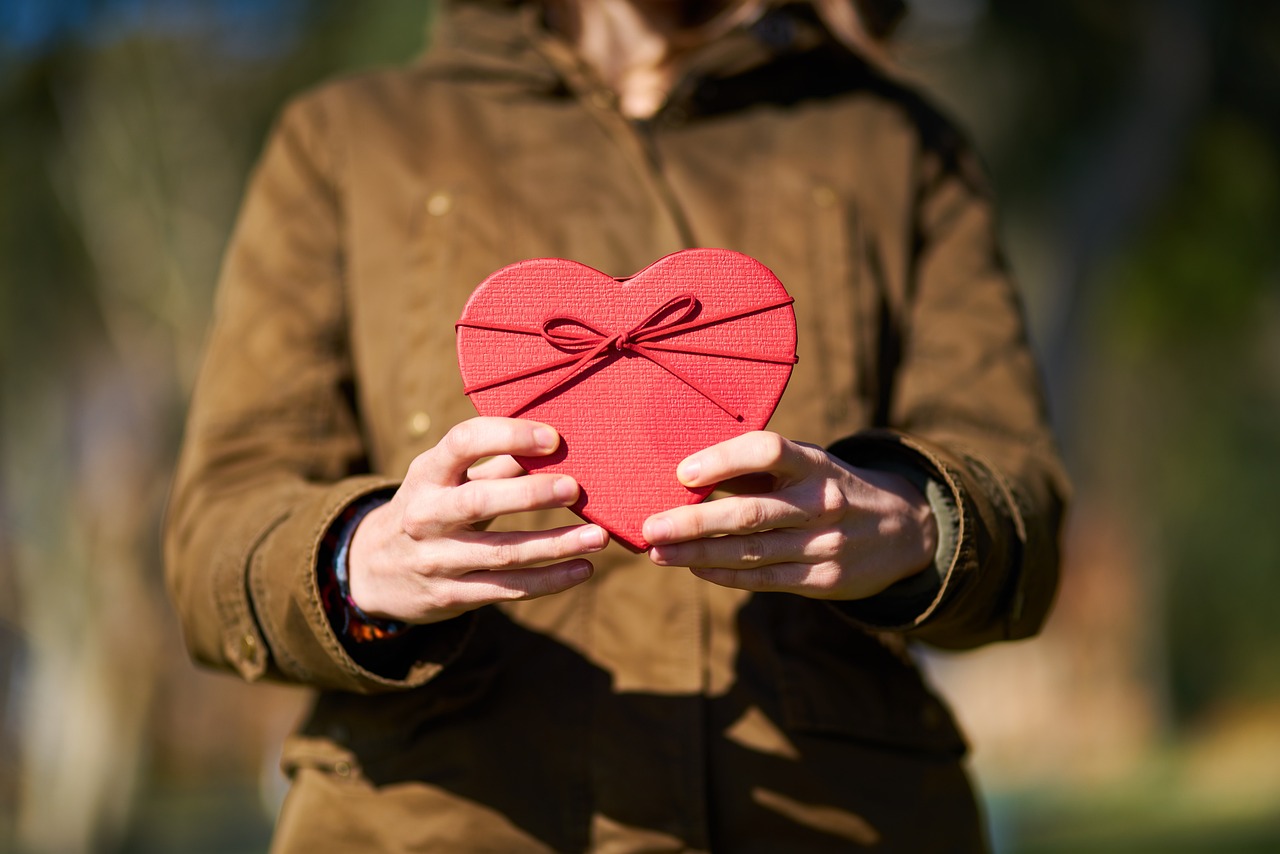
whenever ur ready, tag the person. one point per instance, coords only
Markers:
(490, 672)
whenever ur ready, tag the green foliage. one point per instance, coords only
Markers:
(1192, 314)
(1210, 253)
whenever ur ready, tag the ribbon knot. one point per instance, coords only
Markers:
(666, 318)
(589, 345)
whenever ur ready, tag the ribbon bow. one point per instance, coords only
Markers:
(589, 345)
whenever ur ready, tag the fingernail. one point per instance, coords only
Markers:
(592, 537)
(564, 489)
(656, 530)
(658, 556)
(688, 471)
(545, 438)
(579, 571)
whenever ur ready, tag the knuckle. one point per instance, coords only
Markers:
(769, 578)
(541, 490)
(416, 465)
(505, 555)
(826, 579)
(830, 544)
(691, 525)
(750, 515)
(415, 519)
(752, 549)
(459, 438)
(471, 503)
(831, 499)
(771, 447)
(694, 553)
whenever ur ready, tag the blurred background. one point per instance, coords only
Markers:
(1135, 146)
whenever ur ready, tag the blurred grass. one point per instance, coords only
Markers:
(1156, 810)
(1142, 816)
(1214, 789)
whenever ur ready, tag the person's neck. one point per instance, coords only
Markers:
(630, 48)
(637, 46)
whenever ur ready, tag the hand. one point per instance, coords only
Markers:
(423, 557)
(820, 528)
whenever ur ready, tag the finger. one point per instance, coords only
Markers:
(785, 545)
(446, 464)
(479, 500)
(495, 468)
(751, 453)
(486, 587)
(733, 515)
(816, 581)
(516, 549)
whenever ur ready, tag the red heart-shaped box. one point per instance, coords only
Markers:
(636, 373)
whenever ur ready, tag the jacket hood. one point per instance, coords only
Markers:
(506, 41)
(490, 39)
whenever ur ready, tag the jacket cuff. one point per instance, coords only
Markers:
(296, 640)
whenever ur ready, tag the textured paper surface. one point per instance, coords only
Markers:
(625, 422)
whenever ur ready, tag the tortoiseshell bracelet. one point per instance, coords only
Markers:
(346, 618)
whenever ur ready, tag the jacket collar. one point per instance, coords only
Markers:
(505, 40)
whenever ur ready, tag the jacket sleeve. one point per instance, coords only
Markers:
(964, 409)
(273, 450)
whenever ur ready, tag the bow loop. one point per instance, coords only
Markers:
(671, 314)
(560, 333)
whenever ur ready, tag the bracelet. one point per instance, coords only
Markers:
(345, 616)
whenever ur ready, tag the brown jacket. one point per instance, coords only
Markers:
(645, 709)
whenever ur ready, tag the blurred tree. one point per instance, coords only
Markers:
(1195, 306)
(1136, 146)
(129, 128)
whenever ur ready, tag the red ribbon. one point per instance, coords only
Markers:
(589, 346)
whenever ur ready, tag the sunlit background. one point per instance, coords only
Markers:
(1135, 147)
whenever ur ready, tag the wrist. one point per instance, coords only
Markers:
(908, 514)
(351, 620)
(362, 557)
(920, 513)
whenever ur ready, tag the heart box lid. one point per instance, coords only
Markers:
(635, 373)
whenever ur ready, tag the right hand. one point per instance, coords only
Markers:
(424, 556)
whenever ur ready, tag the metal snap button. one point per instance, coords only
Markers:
(824, 196)
(439, 204)
(419, 424)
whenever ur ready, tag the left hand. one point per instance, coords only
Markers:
(823, 529)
